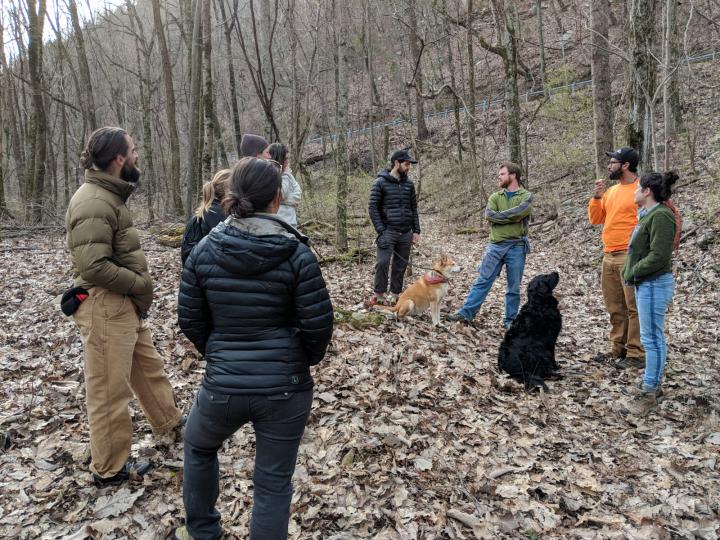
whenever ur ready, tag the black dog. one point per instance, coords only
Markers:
(527, 352)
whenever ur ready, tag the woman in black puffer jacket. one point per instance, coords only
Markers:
(254, 303)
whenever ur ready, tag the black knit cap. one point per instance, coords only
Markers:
(252, 145)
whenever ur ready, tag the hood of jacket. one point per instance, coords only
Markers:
(250, 246)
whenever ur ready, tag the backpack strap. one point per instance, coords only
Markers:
(289, 228)
(678, 223)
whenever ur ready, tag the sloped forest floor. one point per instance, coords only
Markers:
(413, 433)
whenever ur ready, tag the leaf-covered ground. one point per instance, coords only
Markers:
(413, 432)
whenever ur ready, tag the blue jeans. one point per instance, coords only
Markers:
(497, 255)
(652, 298)
(279, 422)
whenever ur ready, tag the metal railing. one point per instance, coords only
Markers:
(485, 104)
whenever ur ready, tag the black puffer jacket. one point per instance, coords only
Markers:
(393, 204)
(211, 217)
(253, 301)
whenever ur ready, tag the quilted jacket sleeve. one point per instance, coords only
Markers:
(193, 313)
(90, 231)
(313, 309)
(413, 205)
(375, 205)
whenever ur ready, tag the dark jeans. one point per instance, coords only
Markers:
(279, 423)
(388, 242)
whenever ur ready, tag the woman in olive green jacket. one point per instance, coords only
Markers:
(649, 267)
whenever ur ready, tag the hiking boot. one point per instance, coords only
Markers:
(642, 403)
(391, 299)
(377, 299)
(123, 475)
(181, 533)
(458, 317)
(603, 358)
(630, 362)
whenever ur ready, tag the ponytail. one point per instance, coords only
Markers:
(213, 190)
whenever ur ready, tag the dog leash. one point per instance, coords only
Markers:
(396, 254)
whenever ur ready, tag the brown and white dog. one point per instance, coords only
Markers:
(428, 291)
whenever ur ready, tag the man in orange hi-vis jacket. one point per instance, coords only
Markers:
(615, 209)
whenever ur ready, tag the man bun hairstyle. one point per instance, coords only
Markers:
(253, 185)
(103, 146)
(513, 168)
(660, 184)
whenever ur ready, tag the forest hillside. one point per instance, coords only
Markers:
(414, 432)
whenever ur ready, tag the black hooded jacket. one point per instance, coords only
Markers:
(393, 204)
(254, 303)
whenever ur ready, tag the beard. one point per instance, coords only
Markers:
(402, 174)
(130, 173)
(615, 175)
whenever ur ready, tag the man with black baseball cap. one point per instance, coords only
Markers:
(393, 212)
(616, 210)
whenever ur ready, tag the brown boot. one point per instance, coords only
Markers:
(630, 362)
(640, 404)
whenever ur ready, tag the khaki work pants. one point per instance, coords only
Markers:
(120, 360)
(620, 304)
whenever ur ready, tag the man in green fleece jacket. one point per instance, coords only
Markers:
(120, 358)
(508, 212)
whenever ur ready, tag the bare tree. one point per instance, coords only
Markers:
(671, 93)
(38, 122)
(601, 86)
(341, 125)
(416, 49)
(643, 67)
(170, 109)
(213, 135)
(228, 24)
(89, 109)
(261, 62)
(192, 170)
(506, 48)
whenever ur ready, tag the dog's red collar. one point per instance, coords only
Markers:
(433, 278)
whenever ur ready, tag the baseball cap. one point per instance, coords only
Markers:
(402, 155)
(625, 155)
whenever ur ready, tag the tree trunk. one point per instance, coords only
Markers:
(4, 212)
(372, 87)
(416, 51)
(341, 127)
(470, 104)
(228, 26)
(170, 110)
(671, 93)
(453, 83)
(601, 85)
(65, 159)
(195, 140)
(642, 40)
(512, 98)
(89, 109)
(541, 35)
(38, 128)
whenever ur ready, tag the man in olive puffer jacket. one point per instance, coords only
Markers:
(120, 358)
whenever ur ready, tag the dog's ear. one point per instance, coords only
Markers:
(444, 259)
